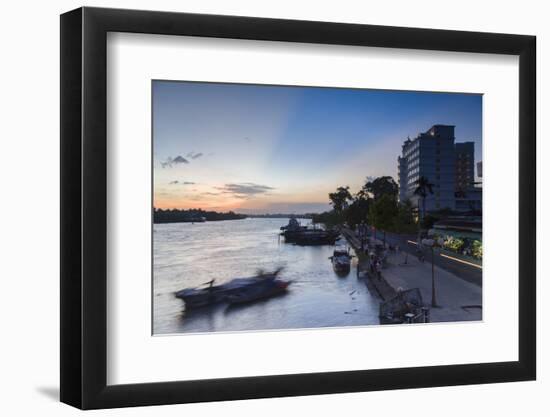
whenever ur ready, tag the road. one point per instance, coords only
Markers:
(467, 271)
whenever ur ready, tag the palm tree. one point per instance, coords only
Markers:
(423, 187)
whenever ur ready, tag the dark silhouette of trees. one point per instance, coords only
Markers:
(192, 216)
(381, 186)
(405, 220)
(383, 213)
(358, 210)
(340, 199)
(375, 204)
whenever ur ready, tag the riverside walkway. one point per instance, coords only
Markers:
(380, 285)
(456, 298)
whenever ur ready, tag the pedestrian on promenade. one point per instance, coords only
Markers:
(420, 255)
(378, 267)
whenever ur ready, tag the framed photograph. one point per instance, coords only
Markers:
(258, 208)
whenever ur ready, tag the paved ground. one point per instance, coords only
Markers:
(458, 300)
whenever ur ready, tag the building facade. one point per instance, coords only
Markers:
(430, 155)
(464, 166)
(447, 165)
(480, 169)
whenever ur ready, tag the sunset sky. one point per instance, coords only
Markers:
(273, 149)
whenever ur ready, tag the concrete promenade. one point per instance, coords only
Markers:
(456, 298)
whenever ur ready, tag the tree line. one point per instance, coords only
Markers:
(375, 204)
(192, 215)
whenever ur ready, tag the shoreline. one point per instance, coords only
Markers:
(384, 290)
(195, 221)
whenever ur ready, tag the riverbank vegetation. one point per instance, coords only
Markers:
(192, 215)
(374, 204)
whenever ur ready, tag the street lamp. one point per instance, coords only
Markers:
(431, 243)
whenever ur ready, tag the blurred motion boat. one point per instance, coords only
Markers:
(238, 290)
(263, 290)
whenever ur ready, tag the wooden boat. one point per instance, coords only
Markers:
(341, 260)
(211, 294)
(294, 232)
(292, 229)
(314, 237)
(293, 224)
(261, 291)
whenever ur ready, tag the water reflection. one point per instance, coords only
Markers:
(188, 255)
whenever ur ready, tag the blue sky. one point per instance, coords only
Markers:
(260, 149)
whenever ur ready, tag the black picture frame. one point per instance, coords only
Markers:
(84, 207)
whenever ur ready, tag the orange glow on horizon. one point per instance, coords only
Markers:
(229, 204)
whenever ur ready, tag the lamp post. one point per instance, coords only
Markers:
(431, 243)
(405, 251)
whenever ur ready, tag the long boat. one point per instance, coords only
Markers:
(265, 290)
(312, 237)
(211, 294)
(292, 230)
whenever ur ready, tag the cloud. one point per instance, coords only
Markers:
(174, 182)
(194, 155)
(181, 182)
(288, 207)
(170, 162)
(180, 160)
(245, 189)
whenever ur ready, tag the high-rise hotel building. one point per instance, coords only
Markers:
(449, 166)
(464, 166)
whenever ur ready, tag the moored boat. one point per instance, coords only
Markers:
(292, 230)
(312, 237)
(341, 259)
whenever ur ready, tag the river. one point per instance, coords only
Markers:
(187, 255)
